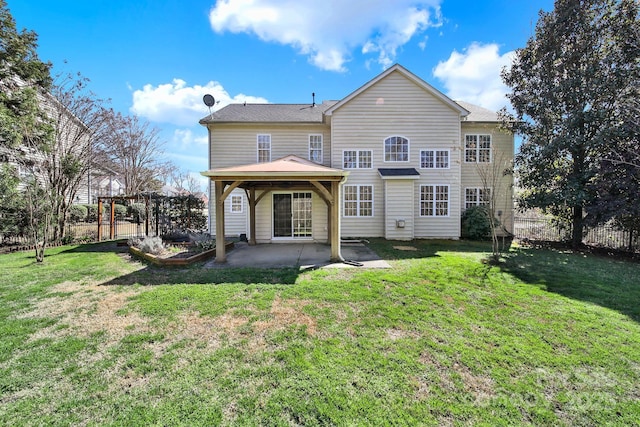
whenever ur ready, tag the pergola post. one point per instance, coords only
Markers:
(252, 216)
(99, 219)
(334, 221)
(220, 246)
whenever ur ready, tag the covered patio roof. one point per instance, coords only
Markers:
(287, 173)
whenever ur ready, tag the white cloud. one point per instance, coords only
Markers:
(328, 31)
(474, 75)
(180, 104)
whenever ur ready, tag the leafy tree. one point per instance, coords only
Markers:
(569, 88)
(22, 76)
(12, 220)
(25, 129)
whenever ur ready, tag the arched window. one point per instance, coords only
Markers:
(396, 149)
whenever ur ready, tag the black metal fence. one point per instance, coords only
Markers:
(159, 215)
(546, 229)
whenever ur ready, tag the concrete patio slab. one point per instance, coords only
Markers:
(302, 255)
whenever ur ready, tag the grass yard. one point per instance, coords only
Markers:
(93, 337)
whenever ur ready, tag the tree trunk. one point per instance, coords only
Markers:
(577, 227)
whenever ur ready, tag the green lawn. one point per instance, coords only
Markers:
(93, 337)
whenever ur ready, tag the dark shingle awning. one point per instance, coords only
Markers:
(398, 173)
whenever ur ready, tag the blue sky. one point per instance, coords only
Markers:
(157, 58)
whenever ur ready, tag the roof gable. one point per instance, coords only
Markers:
(397, 68)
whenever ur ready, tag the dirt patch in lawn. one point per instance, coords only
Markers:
(84, 309)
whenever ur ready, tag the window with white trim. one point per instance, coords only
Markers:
(434, 200)
(264, 148)
(396, 149)
(358, 200)
(477, 148)
(236, 203)
(315, 148)
(434, 159)
(476, 197)
(356, 159)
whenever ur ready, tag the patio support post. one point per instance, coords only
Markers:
(220, 248)
(252, 216)
(334, 221)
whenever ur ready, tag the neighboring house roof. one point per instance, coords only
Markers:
(408, 74)
(478, 114)
(110, 181)
(269, 113)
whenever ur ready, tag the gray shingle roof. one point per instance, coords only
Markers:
(269, 113)
(305, 113)
(477, 113)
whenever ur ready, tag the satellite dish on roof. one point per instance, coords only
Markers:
(209, 100)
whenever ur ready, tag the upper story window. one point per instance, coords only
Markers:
(477, 148)
(434, 159)
(315, 148)
(264, 148)
(356, 159)
(396, 149)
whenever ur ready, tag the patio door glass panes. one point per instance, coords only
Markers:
(282, 215)
(292, 215)
(301, 214)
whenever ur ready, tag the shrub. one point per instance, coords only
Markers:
(120, 211)
(476, 224)
(92, 213)
(77, 213)
(137, 211)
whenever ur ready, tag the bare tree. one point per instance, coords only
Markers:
(497, 184)
(185, 181)
(133, 148)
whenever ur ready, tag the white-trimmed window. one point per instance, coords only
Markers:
(356, 159)
(434, 200)
(358, 200)
(236, 203)
(434, 159)
(477, 148)
(396, 149)
(476, 197)
(315, 148)
(264, 148)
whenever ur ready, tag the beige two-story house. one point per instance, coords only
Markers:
(396, 158)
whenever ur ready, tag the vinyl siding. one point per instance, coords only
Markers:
(502, 153)
(397, 106)
(233, 145)
(399, 205)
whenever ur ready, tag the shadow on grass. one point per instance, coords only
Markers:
(598, 280)
(152, 275)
